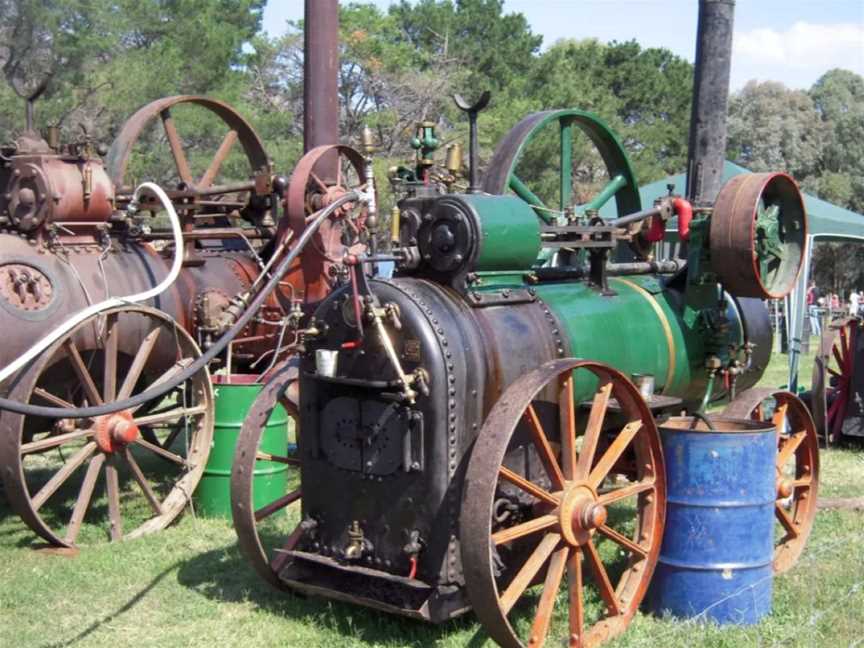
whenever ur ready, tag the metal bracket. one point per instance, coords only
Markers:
(506, 296)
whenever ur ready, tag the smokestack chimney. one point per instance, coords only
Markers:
(321, 78)
(707, 149)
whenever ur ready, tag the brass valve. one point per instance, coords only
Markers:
(356, 542)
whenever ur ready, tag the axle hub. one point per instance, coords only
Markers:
(579, 514)
(113, 432)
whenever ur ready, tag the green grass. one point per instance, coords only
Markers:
(189, 586)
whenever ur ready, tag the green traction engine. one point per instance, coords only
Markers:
(472, 429)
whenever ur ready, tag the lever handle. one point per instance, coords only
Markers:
(474, 147)
(474, 108)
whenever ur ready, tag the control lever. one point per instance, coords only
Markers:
(474, 148)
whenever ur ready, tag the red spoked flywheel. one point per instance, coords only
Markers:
(323, 175)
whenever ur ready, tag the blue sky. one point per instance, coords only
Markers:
(792, 41)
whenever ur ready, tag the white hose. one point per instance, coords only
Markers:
(25, 358)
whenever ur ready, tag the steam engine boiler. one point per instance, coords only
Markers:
(470, 428)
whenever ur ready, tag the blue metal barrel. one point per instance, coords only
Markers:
(716, 557)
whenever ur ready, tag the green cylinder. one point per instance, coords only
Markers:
(509, 232)
(213, 496)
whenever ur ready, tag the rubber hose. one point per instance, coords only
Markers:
(212, 352)
(709, 391)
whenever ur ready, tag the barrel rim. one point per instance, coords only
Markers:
(737, 426)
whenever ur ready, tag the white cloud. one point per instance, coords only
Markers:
(803, 51)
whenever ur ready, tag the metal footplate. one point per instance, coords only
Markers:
(317, 575)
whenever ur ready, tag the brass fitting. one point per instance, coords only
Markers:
(356, 545)
(395, 224)
(453, 160)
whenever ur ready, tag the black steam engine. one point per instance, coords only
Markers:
(470, 427)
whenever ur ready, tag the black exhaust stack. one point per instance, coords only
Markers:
(707, 148)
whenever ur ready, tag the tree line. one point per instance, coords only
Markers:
(96, 61)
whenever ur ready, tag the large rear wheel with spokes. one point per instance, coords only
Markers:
(261, 519)
(833, 371)
(130, 472)
(548, 495)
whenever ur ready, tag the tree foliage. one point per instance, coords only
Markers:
(98, 61)
(774, 128)
(495, 48)
(102, 60)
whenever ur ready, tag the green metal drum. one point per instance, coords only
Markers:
(233, 400)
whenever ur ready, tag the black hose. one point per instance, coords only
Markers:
(207, 356)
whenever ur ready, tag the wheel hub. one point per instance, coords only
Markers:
(580, 514)
(332, 194)
(113, 432)
(784, 488)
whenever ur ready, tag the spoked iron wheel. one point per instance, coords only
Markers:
(241, 190)
(541, 498)
(257, 521)
(797, 466)
(53, 469)
(832, 376)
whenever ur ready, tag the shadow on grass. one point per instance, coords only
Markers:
(10, 523)
(5, 511)
(108, 618)
(224, 575)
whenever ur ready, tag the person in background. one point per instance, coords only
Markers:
(813, 310)
(854, 302)
(835, 304)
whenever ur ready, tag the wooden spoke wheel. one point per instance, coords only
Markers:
(214, 181)
(261, 525)
(832, 376)
(797, 466)
(541, 500)
(69, 475)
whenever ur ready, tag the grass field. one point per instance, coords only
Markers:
(189, 586)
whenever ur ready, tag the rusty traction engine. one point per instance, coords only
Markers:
(70, 237)
(469, 428)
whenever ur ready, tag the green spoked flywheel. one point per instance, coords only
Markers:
(592, 167)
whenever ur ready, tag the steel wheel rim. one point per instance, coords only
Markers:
(109, 446)
(559, 546)
(118, 156)
(797, 467)
(758, 220)
(246, 518)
